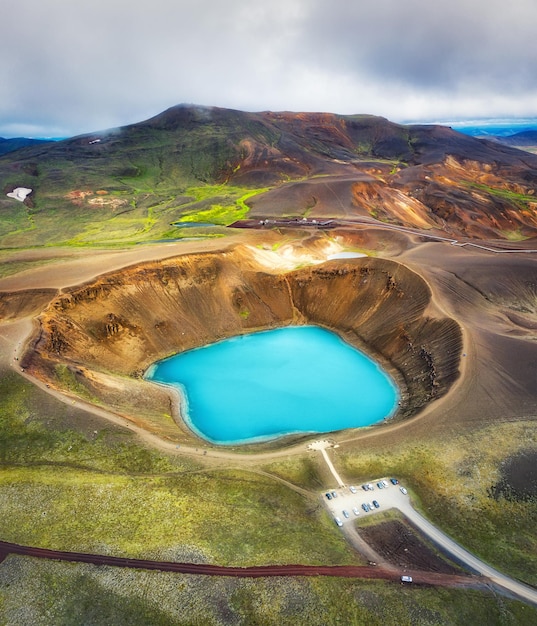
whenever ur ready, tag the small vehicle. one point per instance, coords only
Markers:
(356, 511)
(338, 521)
(406, 579)
(385, 483)
(345, 513)
(394, 481)
(403, 490)
(365, 507)
(365, 487)
(375, 504)
(328, 495)
(352, 489)
(334, 494)
(380, 485)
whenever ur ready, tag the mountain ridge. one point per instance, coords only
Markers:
(160, 171)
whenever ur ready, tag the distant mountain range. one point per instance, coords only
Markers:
(216, 165)
(526, 138)
(10, 145)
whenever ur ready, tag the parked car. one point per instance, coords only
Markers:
(334, 494)
(352, 489)
(365, 507)
(394, 481)
(345, 513)
(403, 490)
(338, 521)
(328, 495)
(356, 511)
(406, 579)
(375, 504)
(385, 483)
(380, 485)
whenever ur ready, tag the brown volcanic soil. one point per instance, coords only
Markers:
(400, 544)
(483, 291)
(122, 322)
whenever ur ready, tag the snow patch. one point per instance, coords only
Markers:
(20, 193)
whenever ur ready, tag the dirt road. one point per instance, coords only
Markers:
(262, 571)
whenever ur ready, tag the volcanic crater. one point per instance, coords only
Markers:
(97, 336)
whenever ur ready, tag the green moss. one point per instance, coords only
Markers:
(518, 199)
(67, 380)
(36, 429)
(232, 208)
(303, 472)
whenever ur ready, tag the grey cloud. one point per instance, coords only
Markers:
(444, 44)
(69, 67)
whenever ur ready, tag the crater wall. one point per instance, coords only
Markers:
(126, 320)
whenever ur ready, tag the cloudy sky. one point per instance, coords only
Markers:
(76, 66)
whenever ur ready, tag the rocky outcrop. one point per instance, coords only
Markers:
(125, 321)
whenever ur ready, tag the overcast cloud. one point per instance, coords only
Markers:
(75, 66)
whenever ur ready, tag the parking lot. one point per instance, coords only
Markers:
(349, 503)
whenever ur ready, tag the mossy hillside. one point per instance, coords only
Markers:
(128, 188)
(514, 198)
(303, 472)
(39, 592)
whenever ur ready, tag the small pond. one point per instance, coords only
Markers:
(257, 387)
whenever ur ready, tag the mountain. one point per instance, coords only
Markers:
(206, 164)
(524, 140)
(15, 143)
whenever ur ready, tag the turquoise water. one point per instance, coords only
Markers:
(298, 379)
(193, 224)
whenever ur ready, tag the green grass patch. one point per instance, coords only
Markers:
(38, 430)
(519, 199)
(380, 517)
(513, 235)
(302, 471)
(68, 381)
(233, 517)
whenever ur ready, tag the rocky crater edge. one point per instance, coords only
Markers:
(124, 321)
